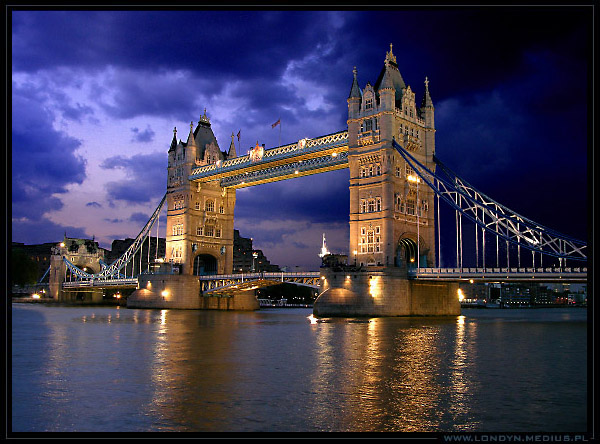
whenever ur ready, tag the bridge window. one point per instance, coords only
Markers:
(197, 205)
(409, 171)
(368, 125)
(378, 204)
(399, 203)
(221, 209)
(370, 240)
(378, 169)
(217, 232)
(209, 206)
(397, 171)
(363, 206)
(177, 229)
(199, 231)
(209, 230)
(369, 103)
(410, 207)
(371, 205)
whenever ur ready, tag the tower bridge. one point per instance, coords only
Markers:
(397, 184)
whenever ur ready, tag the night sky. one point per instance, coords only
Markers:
(96, 94)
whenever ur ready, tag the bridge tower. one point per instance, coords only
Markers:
(391, 210)
(85, 254)
(199, 215)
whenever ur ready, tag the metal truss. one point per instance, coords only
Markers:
(302, 147)
(492, 216)
(218, 283)
(112, 272)
(287, 171)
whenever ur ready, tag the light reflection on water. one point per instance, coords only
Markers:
(111, 369)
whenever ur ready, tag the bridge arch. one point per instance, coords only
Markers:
(205, 264)
(406, 252)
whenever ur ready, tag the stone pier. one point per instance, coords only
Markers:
(383, 291)
(181, 291)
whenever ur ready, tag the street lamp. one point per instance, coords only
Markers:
(355, 252)
(254, 256)
(416, 180)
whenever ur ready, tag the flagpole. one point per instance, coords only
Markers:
(280, 131)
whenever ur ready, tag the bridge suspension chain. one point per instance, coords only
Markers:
(109, 272)
(492, 216)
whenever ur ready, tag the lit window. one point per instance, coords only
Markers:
(371, 205)
(371, 242)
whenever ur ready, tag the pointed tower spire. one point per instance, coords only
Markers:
(426, 98)
(174, 141)
(231, 153)
(191, 141)
(355, 90)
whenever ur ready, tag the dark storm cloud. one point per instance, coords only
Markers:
(319, 198)
(146, 177)
(144, 136)
(214, 42)
(43, 230)
(44, 161)
(141, 218)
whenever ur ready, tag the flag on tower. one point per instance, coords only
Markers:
(239, 132)
(276, 123)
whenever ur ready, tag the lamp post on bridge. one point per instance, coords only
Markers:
(416, 180)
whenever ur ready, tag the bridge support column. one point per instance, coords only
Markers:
(166, 291)
(383, 291)
(237, 300)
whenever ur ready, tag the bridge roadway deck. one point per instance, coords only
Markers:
(245, 281)
(542, 275)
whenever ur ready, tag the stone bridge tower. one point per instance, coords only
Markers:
(199, 215)
(85, 254)
(391, 211)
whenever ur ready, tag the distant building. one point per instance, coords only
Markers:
(40, 253)
(246, 259)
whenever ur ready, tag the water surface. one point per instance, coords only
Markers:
(109, 369)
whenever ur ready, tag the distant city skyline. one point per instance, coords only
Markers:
(96, 95)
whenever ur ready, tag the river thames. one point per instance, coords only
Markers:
(110, 369)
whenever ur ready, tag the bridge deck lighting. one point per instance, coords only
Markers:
(461, 295)
(165, 293)
(334, 154)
